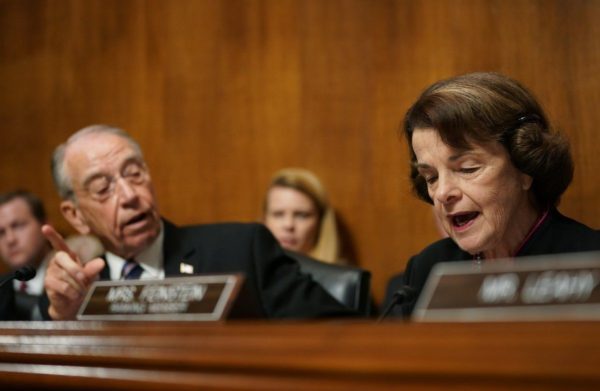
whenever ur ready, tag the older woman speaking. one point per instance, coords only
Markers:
(483, 153)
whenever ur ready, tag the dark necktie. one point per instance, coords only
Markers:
(23, 287)
(131, 270)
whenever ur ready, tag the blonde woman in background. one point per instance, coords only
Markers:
(298, 214)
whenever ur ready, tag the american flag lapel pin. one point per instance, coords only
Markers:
(185, 268)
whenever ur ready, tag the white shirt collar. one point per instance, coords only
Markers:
(35, 286)
(150, 259)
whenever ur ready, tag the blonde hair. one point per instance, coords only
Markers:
(327, 245)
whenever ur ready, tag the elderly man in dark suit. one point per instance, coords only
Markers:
(107, 190)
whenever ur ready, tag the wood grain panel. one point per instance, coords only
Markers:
(223, 93)
(338, 355)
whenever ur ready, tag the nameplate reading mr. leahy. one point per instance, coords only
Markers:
(198, 298)
(549, 287)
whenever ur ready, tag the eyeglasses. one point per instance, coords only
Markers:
(102, 187)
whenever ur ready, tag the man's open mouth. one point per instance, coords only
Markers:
(137, 219)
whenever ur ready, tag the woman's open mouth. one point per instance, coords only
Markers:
(461, 221)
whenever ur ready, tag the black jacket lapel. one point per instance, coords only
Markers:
(174, 250)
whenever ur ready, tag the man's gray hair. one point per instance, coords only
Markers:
(61, 178)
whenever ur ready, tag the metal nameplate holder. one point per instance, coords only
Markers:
(194, 298)
(547, 287)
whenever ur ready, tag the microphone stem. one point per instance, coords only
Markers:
(388, 309)
(404, 294)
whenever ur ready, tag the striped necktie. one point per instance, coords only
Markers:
(131, 270)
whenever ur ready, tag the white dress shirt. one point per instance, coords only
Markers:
(150, 259)
(35, 286)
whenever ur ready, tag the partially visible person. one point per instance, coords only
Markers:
(22, 243)
(484, 154)
(297, 212)
(107, 190)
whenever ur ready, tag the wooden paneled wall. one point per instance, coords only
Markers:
(221, 94)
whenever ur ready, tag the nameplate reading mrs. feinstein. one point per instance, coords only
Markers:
(549, 287)
(198, 298)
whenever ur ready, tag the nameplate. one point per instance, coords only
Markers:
(549, 287)
(195, 298)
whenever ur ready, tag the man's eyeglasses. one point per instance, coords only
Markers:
(102, 187)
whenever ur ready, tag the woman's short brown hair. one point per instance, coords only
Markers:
(488, 107)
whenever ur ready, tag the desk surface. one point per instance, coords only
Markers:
(299, 355)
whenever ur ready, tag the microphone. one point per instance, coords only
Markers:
(405, 294)
(25, 273)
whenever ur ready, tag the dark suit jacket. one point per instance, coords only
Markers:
(273, 280)
(557, 234)
(7, 300)
(10, 309)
